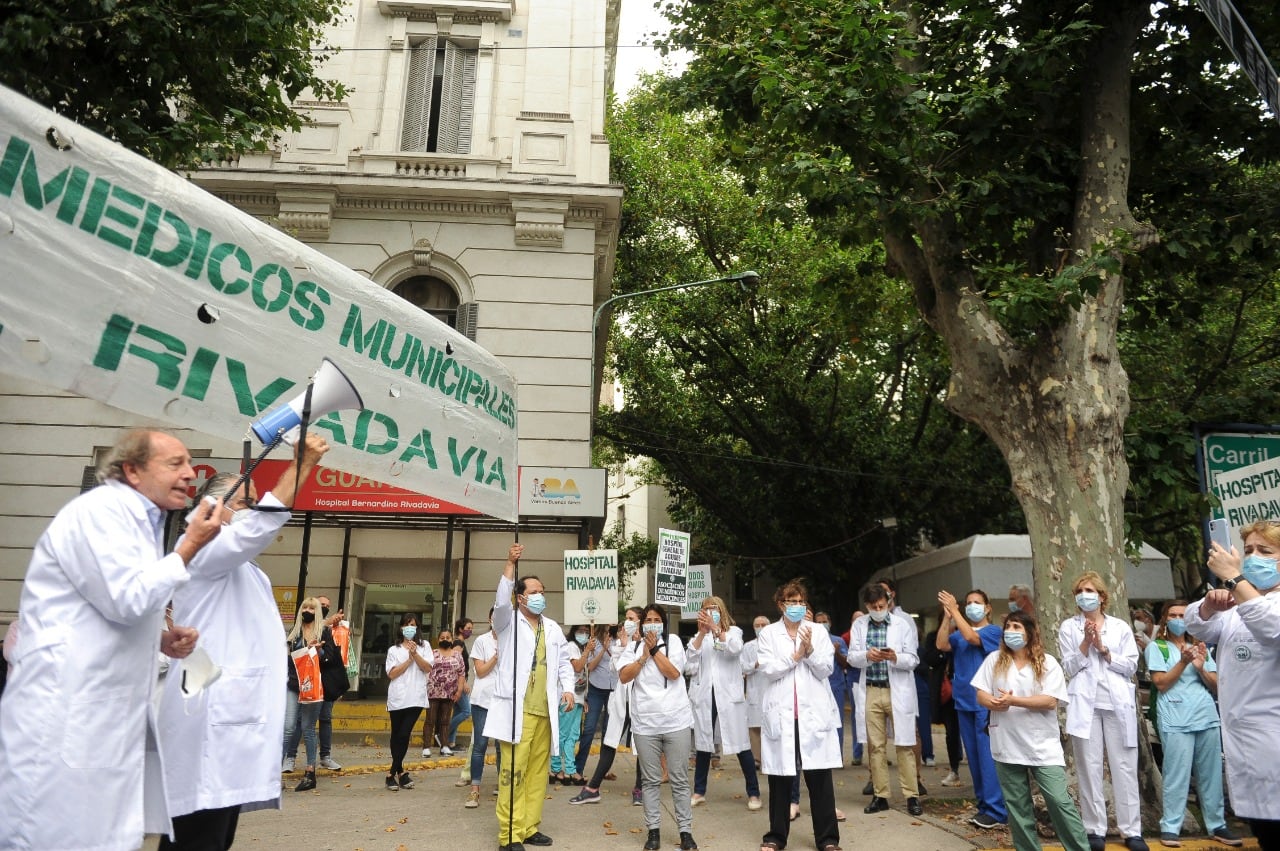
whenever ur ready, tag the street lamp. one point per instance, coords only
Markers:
(747, 278)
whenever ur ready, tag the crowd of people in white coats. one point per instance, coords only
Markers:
(775, 703)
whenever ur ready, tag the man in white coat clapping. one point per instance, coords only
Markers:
(534, 677)
(885, 647)
(799, 714)
(77, 707)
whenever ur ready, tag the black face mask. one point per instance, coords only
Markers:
(324, 611)
(308, 617)
(445, 645)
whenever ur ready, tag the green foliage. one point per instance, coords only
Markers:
(635, 552)
(178, 83)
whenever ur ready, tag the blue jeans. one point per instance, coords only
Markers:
(977, 746)
(300, 720)
(326, 730)
(702, 766)
(924, 718)
(461, 712)
(597, 709)
(1200, 750)
(479, 744)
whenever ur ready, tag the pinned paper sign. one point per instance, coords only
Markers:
(590, 586)
(133, 287)
(671, 577)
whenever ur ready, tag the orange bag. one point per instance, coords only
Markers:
(341, 632)
(307, 663)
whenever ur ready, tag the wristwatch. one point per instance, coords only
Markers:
(1231, 583)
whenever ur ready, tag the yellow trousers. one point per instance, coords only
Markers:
(525, 766)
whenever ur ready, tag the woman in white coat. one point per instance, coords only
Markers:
(1100, 657)
(715, 688)
(753, 690)
(799, 732)
(884, 646)
(1243, 619)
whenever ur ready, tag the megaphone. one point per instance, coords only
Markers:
(330, 390)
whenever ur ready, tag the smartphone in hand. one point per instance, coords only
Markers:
(1220, 533)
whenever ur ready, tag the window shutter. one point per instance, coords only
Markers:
(468, 319)
(88, 479)
(417, 97)
(458, 94)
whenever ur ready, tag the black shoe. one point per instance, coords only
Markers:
(869, 789)
(687, 843)
(914, 808)
(1136, 843)
(307, 783)
(877, 805)
(539, 838)
(1096, 843)
(920, 790)
(406, 782)
(514, 846)
(654, 842)
(392, 785)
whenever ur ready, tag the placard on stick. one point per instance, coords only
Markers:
(590, 586)
(671, 578)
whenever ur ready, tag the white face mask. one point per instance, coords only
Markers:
(198, 673)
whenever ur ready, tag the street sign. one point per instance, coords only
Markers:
(1242, 469)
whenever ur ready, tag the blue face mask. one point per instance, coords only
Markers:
(975, 612)
(630, 627)
(1015, 640)
(653, 629)
(1088, 601)
(1261, 572)
(1013, 605)
(795, 612)
(715, 616)
(1177, 627)
(409, 631)
(536, 603)
(580, 637)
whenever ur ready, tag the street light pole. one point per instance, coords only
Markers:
(747, 277)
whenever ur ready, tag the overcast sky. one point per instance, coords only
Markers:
(640, 18)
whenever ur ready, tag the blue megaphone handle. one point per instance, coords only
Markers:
(283, 418)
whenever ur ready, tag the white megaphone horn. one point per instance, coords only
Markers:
(330, 390)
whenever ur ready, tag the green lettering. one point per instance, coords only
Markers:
(168, 363)
(420, 447)
(260, 278)
(405, 347)
(249, 403)
(167, 256)
(496, 474)
(97, 203)
(353, 333)
(198, 251)
(122, 217)
(15, 154)
(332, 423)
(460, 464)
(302, 296)
(111, 346)
(200, 373)
(361, 441)
(220, 252)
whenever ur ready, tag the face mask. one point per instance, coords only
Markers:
(308, 617)
(409, 631)
(1177, 627)
(1013, 605)
(580, 637)
(198, 673)
(630, 627)
(653, 629)
(975, 612)
(445, 645)
(715, 616)
(1015, 640)
(1139, 626)
(536, 603)
(324, 611)
(1088, 601)
(878, 616)
(239, 515)
(795, 612)
(1261, 572)
(466, 633)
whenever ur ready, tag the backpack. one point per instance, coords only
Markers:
(1155, 692)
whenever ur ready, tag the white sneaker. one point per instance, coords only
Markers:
(931, 762)
(952, 779)
(426, 751)
(330, 763)
(444, 751)
(696, 799)
(287, 765)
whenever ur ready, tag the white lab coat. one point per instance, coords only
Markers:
(1248, 639)
(754, 689)
(222, 747)
(791, 685)
(516, 639)
(1083, 673)
(619, 700)
(902, 679)
(78, 706)
(717, 670)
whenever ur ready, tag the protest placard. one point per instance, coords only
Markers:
(672, 570)
(590, 586)
(699, 586)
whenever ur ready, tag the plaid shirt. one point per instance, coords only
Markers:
(877, 673)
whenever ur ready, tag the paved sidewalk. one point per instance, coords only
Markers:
(352, 809)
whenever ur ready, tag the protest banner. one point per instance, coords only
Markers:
(1249, 494)
(590, 586)
(699, 586)
(671, 575)
(131, 286)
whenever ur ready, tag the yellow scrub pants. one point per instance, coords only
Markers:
(530, 760)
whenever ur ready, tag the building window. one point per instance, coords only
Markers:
(432, 295)
(440, 98)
